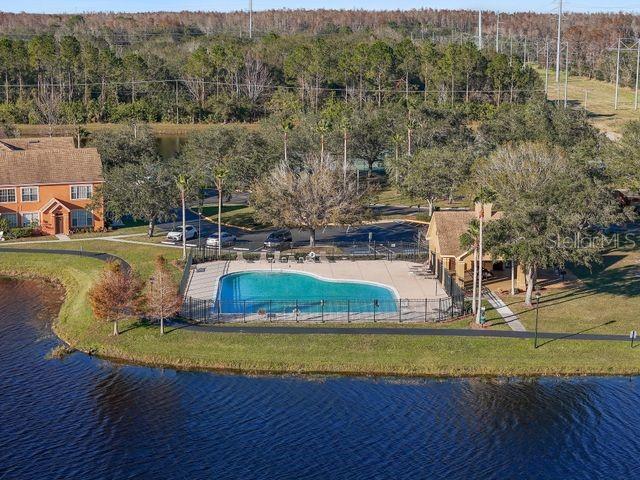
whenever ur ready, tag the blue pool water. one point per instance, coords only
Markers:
(251, 292)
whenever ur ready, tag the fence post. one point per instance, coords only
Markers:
(400, 310)
(297, 311)
(218, 303)
(244, 311)
(426, 308)
(269, 312)
(348, 311)
(440, 309)
(190, 311)
(322, 310)
(374, 311)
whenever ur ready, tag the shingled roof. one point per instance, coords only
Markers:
(54, 166)
(450, 225)
(44, 143)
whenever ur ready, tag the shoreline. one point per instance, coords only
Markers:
(354, 355)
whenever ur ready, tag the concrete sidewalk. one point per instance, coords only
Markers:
(505, 312)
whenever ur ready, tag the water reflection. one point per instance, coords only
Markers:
(87, 418)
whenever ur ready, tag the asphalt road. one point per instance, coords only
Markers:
(387, 232)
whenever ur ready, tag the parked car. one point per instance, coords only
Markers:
(226, 239)
(175, 235)
(280, 239)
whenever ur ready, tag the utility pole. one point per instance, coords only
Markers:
(546, 69)
(498, 33)
(615, 100)
(558, 43)
(250, 18)
(479, 29)
(566, 74)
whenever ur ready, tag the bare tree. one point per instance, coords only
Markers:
(309, 197)
(256, 78)
(49, 103)
(162, 297)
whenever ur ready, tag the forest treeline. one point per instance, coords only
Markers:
(73, 80)
(588, 34)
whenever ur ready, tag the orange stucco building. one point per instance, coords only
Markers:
(49, 183)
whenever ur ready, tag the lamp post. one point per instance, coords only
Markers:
(535, 338)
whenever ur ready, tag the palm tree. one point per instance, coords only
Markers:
(485, 196)
(397, 141)
(287, 126)
(220, 172)
(183, 183)
(411, 126)
(344, 126)
(471, 240)
(323, 127)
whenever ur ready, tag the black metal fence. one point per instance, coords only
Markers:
(339, 311)
(403, 250)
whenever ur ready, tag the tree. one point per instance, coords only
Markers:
(370, 132)
(162, 296)
(121, 146)
(623, 160)
(310, 197)
(116, 294)
(432, 173)
(182, 182)
(547, 198)
(146, 191)
(471, 240)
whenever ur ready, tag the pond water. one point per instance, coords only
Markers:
(86, 418)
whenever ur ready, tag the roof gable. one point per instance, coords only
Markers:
(449, 225)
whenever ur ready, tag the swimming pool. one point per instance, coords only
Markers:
(286, 291)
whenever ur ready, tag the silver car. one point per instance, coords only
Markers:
(226, 239)
(175, 235)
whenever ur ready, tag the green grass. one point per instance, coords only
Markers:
(600, 100)
(242, 216)
(606, 300)
(346, 354)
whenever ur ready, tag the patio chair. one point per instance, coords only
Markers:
(300, 259)
(284, 259)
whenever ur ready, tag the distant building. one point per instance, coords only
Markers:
(49, 182)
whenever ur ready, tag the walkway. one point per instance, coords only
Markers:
(505, 312)
(442, 332)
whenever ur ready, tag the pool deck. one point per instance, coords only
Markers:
(203, 283)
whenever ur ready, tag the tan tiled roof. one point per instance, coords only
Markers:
(33, 167)
(43, 143)
(450, 225)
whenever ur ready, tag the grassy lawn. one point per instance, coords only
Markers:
(607, 300)
(600, 100)
(354, 354)
(242, 216)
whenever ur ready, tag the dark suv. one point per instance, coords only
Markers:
(280, 239)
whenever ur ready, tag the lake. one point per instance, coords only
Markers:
(82, 417)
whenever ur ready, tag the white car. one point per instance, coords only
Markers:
(226, 239)
(175, 235)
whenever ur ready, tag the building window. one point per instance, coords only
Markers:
(7, 195)
(12, 218)
(81, 218)
(29, 194)
(31, 219)
(81, 192)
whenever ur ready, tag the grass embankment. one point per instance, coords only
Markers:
(346, 354)
(599, 100)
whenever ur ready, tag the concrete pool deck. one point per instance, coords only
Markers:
(203, 283)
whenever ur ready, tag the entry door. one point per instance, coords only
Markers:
(59, 224)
